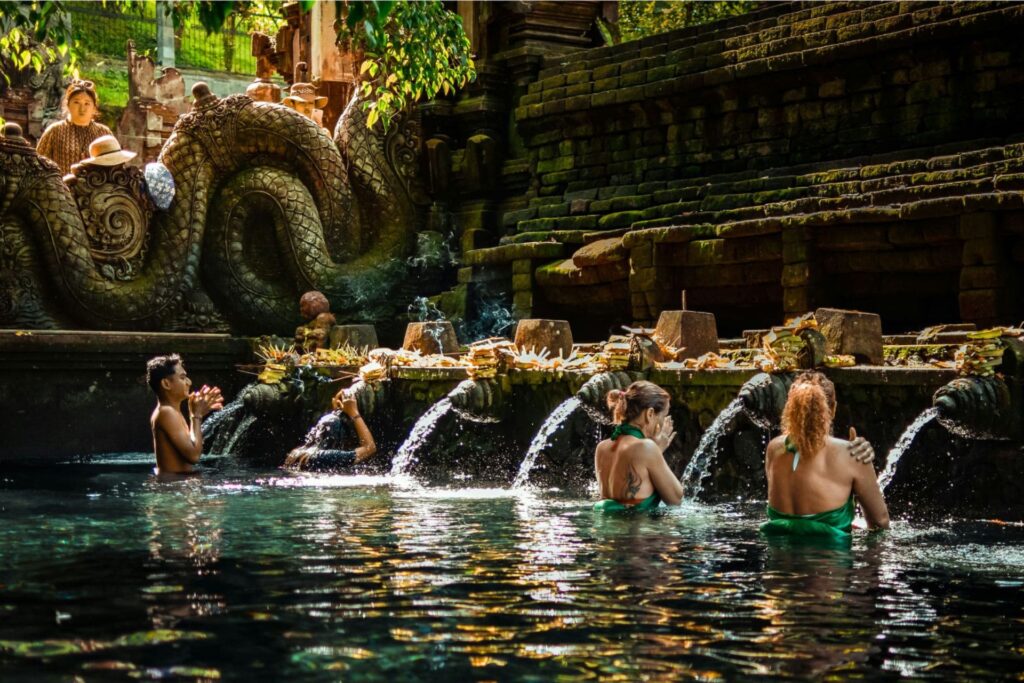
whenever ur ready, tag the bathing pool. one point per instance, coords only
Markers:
(108, 574)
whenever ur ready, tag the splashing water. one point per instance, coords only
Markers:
(408, 452)
(699, 467)
(555, 420)
(903, 444)
(225, 414)
(243, 427)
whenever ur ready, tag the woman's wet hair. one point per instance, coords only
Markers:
(807, 417)
(628, 405)
(160, 367)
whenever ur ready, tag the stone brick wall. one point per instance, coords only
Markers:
(826, 82)
(808, 154)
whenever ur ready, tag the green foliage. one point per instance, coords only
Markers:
(412, 50)
(34, 35)
(642, 18)
(111, 87)
(254, 15)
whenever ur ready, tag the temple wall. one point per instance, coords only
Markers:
(803, 155)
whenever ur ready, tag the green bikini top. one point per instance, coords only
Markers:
(609, 505)
(791, 447)
(628, 429)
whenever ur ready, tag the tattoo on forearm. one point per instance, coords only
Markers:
(632, 484)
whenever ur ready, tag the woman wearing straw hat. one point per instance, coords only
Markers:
(67, 141)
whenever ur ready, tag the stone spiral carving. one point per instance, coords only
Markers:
(267, 206)
(116, 212)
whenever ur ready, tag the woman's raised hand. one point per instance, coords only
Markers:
(345, 402)
(664, 433)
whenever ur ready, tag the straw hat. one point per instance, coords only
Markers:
(305, 92)
(106, 151)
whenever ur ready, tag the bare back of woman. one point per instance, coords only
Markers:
(812, 478)
(630, 466)
(622, 469)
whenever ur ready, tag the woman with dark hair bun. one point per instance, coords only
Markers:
(812, 478)
(631, 470)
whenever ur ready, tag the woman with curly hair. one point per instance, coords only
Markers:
(631, 469)
(67, 142)
(812, 480)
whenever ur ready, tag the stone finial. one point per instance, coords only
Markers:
(316, 309)
(312, 304)
(202, 95)
(12, 130)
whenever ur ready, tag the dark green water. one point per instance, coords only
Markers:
(107, 574)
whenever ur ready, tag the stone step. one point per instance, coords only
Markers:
(980, 171)
(653, 77)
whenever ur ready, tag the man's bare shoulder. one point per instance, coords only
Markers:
(167, 416)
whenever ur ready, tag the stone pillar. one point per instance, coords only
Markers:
(649, 283)
(164, 33)
(984, 272)
(798, 270)
(522, 288)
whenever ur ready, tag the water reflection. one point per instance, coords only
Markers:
(245, 575)
(184, 527)
(818, 604)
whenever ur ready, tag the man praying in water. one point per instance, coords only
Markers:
(177, 444)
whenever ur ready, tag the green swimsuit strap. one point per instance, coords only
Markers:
(791, 447)
(626, 428)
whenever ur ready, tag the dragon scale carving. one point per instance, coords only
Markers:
(267, 205)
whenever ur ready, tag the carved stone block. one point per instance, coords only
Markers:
(534, 334)
(851, 332)
(693, 331)
(437, 336)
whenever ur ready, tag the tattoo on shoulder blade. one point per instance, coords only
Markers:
(632, 484)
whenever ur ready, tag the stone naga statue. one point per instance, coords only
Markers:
(267, 206)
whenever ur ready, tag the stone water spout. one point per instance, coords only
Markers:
(764, 398)
(554, 451)
(478, 399)
(761, 399)
(977, 407)
(595, 390)
(370, 396)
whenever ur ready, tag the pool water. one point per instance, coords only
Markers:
(107, 573)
